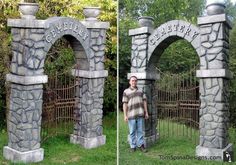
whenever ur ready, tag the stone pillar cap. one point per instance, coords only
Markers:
(141, 30)
(211, 2)
(96, 24)
(27, 23)
(214, 19)
(215, 7)
(28, 10)
(27, 80)
(214, 73)
(146, 21)
(91, 13)
(89, 74)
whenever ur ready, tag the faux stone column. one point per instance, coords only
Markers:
(26, 77)
(88, 131)
(146, 78)
(214, 83)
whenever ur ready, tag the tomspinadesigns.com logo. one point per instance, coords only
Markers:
(189, 157)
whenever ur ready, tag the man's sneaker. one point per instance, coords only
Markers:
(142, 148)
(132, 149)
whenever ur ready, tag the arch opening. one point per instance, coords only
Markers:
(60, 93)
(174, 56)
(74, 32)
(168, 33)
(176, 93)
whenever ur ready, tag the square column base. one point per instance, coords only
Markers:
(23, 157)
(213, 153)
(150, 140)
(88, 142)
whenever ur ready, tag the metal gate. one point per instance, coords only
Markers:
(59, 100)
(177, 102)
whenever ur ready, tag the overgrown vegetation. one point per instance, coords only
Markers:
(60, 58)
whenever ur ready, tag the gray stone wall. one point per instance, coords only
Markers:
(211, 42)
(146, 80)
(139, 53)
(89, 110)
(214, 45)
(97, 44)
(88, 130)
(32, 39)
(28, 51)
(214, 112)
(214, 89)
(80, 55)
(24, 120)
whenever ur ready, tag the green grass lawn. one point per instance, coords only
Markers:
(58, 150)
(170, 145)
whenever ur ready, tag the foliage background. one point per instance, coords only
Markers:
(180, 55)
(69, 8)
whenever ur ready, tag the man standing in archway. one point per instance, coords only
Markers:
(135, 110)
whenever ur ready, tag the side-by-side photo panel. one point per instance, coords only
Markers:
(58, 82)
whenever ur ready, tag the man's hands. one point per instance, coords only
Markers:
(125, 118)
(125, 109)
(146, 115)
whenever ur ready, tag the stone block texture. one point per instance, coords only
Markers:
(89, 110)
(214, 112)
(139, 53)
(214, 46)
(211, 42)
(24, 118)
(30, 45)
(28, 51)
(214, 91)
(97, 45)
(88, 130)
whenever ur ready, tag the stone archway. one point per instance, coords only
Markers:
(211, 42)
(31, 40)
(169, 32)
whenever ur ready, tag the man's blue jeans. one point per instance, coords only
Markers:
(136, 132)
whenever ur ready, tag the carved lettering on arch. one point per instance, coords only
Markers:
(195, 34)
(163, 32)
(182, 29)
(188, 31)
(155, 38)
(169, 28)
(59, 28)
(176, 26)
